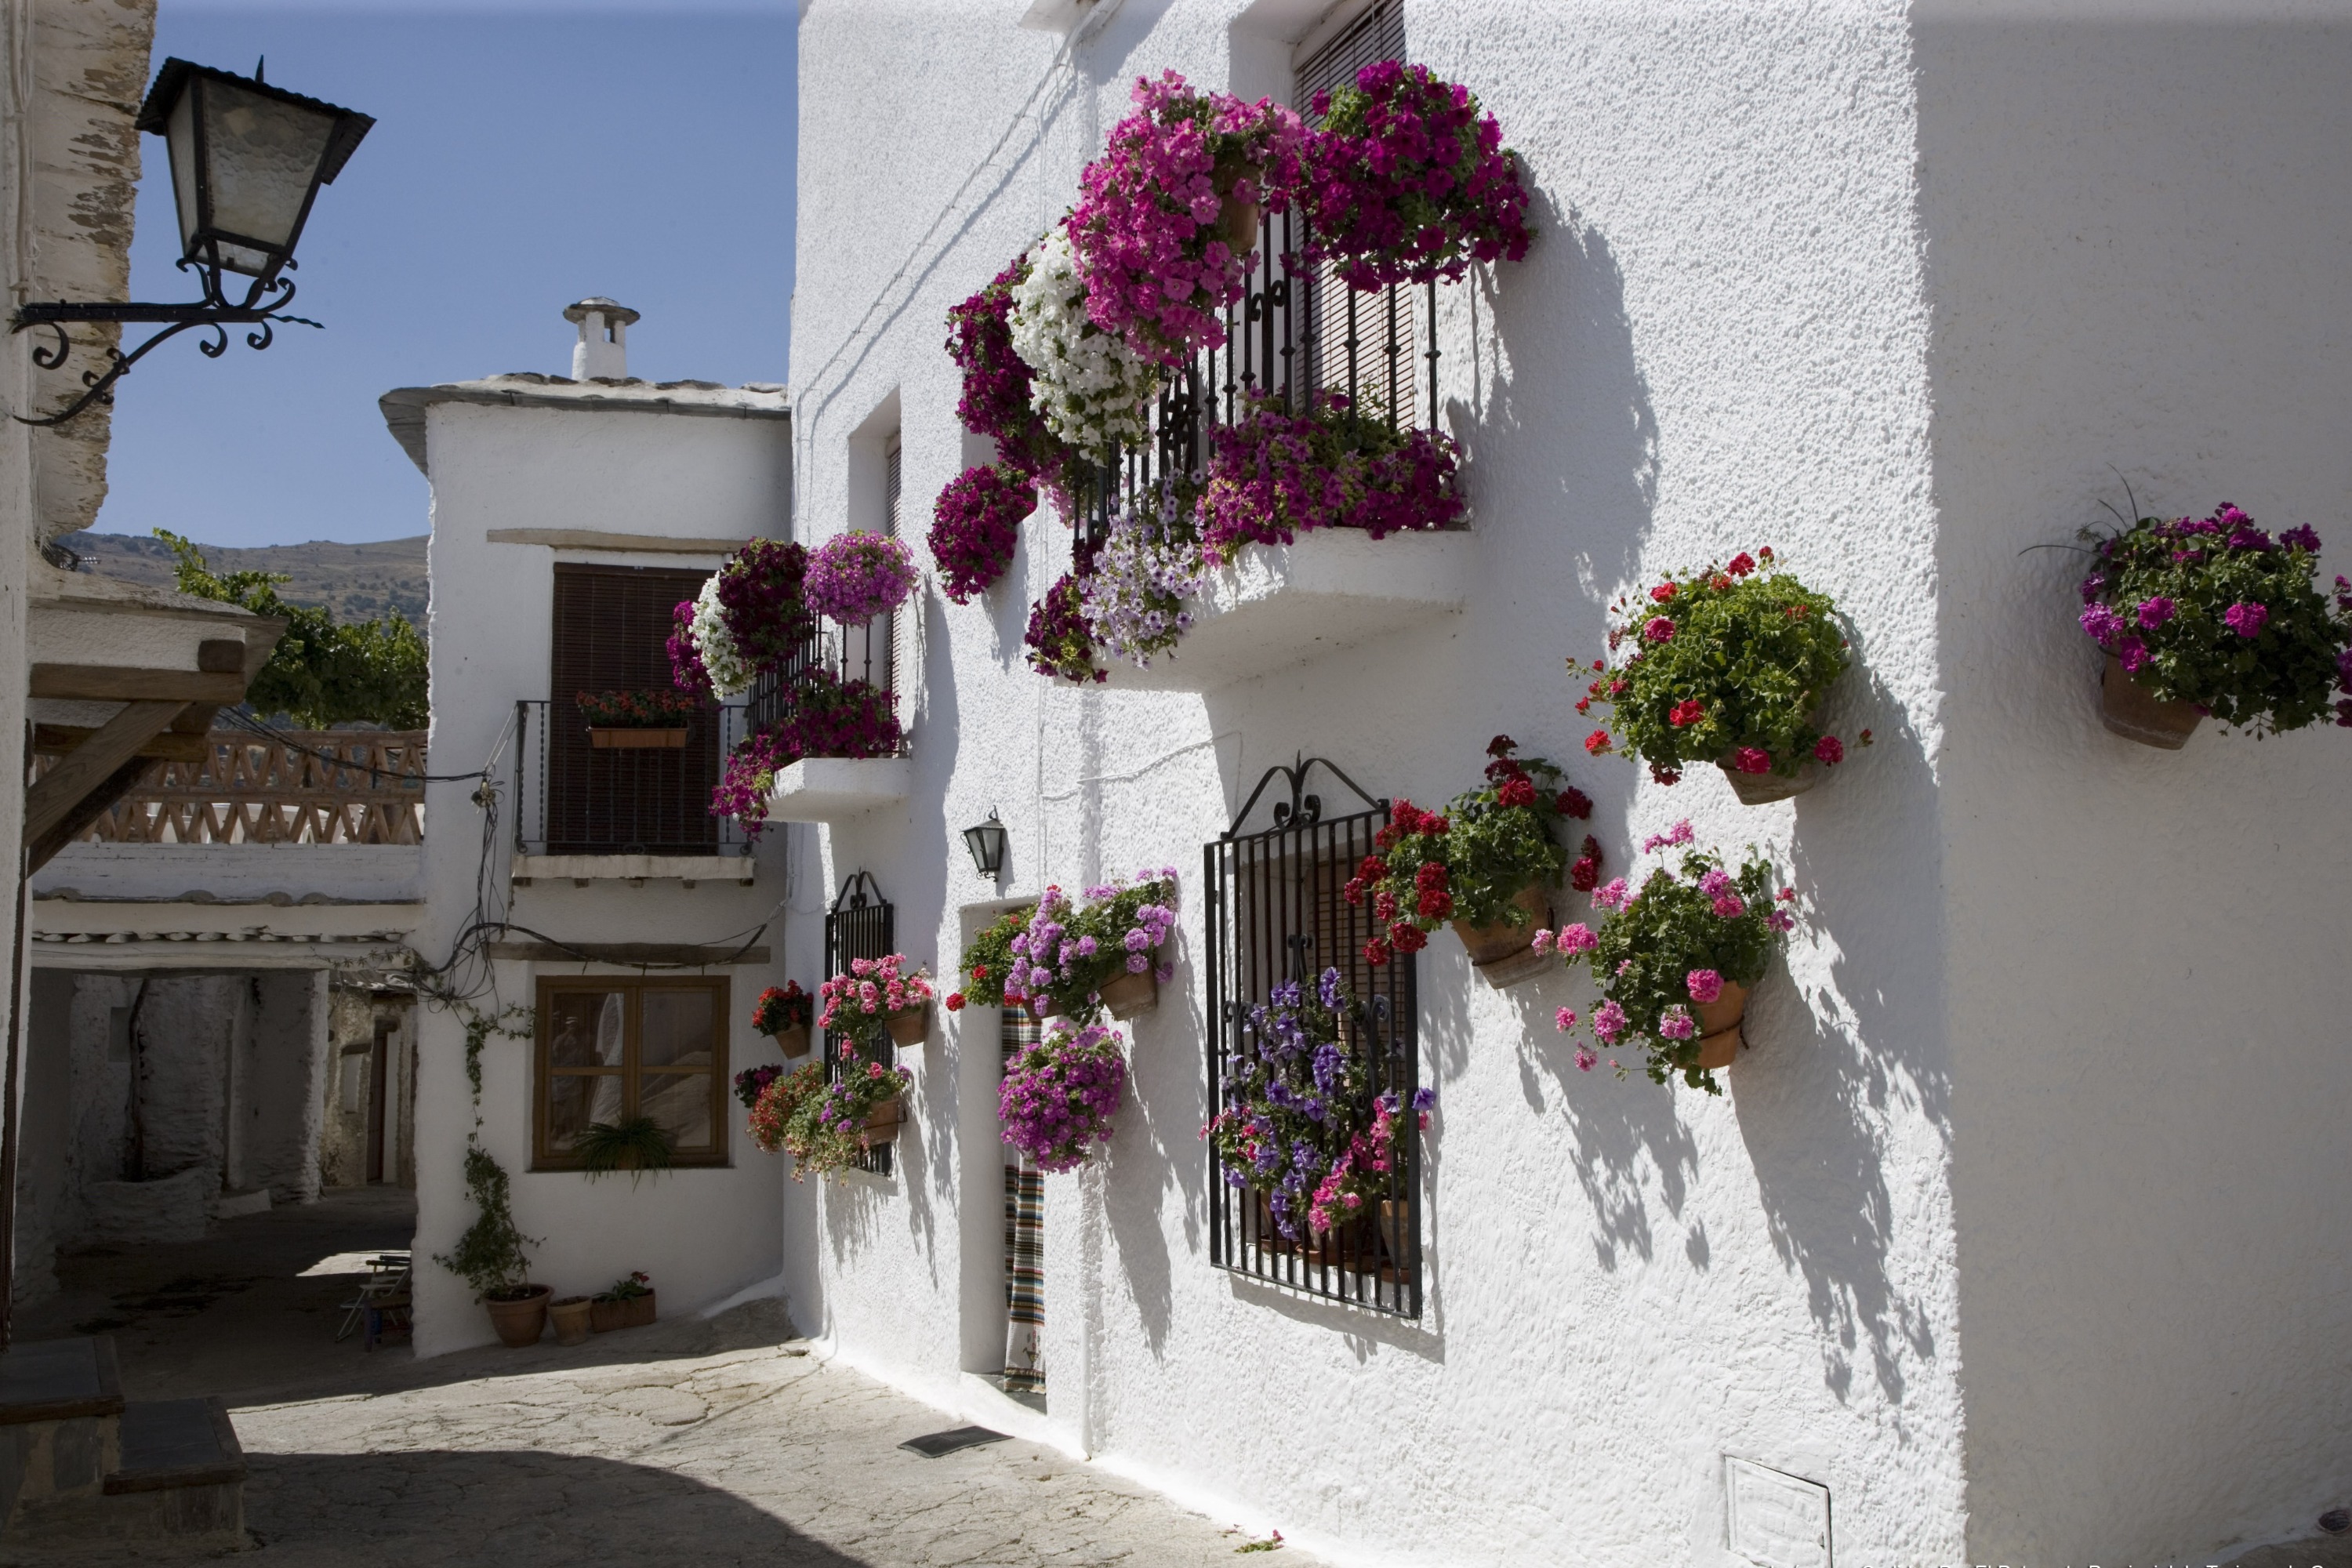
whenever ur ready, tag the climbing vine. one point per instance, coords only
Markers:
(515, 1023)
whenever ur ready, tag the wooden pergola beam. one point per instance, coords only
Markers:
(114, 745)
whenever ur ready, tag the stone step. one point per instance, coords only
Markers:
(181, 1473)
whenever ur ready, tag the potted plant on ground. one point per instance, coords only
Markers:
(637, 721)
(1165, 231)
(1728, 665)
(988, 964)
(1487, 866)
(626, 1303)
(783, 1015)
(573, 1317)
(638, 1144)
(1060, 1095)
(747, 617)
(781, 1099)
(878, 996)
(831, 1129)
(1296, 1093)
(1403, 181)
(2214, 615)
(489, 1255)
(1676, 958)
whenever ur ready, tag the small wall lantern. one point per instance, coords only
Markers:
(986, 843)
(247, 160)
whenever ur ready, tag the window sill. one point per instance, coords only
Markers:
(617, 868)
(1281, 605)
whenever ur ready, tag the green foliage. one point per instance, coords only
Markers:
(636, 1144)
(826, 1132)
(989, 957)
(490, 1253)
(1468, 864)
(1648, 947)
(321, 674)
(627, 1288)
(1746, 661)
(2161, 596)
(514, 1023)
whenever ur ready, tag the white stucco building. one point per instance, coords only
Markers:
(2015, 1234)
(568, 518)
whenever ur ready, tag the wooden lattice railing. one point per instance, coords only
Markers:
(250, 790)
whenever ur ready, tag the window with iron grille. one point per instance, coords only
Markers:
(1277, 912)
(611, 627)
(861, 924)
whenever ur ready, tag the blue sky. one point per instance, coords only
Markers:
(526, 153)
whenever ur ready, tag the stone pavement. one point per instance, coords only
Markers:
(696, 1444)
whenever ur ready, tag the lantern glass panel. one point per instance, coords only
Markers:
(262, 156)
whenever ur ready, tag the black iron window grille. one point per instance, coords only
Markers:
(1291, 334)
(574, 798)
(1277, 912)
(861, 924)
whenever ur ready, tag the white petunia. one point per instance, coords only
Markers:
(730, 673)
(1089, 388)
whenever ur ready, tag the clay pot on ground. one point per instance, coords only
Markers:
(518, 1315)
(794, 1041)
(1131, 993)
(908, 1026)
(1505, 953)
(571, 1315)
(629, 1312)
(1719, 1036)
(614, 738)
(2127, 709)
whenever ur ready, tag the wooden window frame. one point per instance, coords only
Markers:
(544, 1156)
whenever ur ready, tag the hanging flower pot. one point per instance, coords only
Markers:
(1237, 221)
(1492, 943)
(882, 1121)
(794, 1041)
(622, 739)
(1131, 993)
(2127, 709)
(1763, 786)
(908, 1025)
(1720, 1037)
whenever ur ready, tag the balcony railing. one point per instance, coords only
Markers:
(1289, 335)
(338, 786)
(574, 798)
(869, 653)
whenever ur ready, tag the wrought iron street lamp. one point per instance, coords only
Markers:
(247, 160)
(986, 843)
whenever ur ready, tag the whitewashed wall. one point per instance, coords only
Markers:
(1886, 287)
(702, 1234)
(2148, 1047)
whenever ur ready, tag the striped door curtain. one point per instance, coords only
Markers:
(1024, 1241)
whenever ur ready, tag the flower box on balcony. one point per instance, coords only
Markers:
(619, 738)
(1280, 606)
(831, 789)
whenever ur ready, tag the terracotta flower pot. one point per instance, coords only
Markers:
(1396, 1215)
(1237, 223)
(603, 1316)
(1131, 993)
(615, 738)
(571, 1315)
(2127, 709)
(521, 1318)
(882, 1121)
(1763, 789)
(1719, 1036)
(1489, 944)
(908, 1026)
(794, 1041)
(638, 1311)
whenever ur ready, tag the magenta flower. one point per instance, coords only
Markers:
(1705, 984)
(1579, 937)
(1608, 1022)
(1679, 834)
(1658, 628)
(1610, 894)
(2154, 612)
(1676, 1023)
(1565, 1020)
(2101, 625)
(1752, 760)
(1829, 748)
(1730, 907)
(2246, 619)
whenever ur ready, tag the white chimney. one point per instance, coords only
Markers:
(603, 351)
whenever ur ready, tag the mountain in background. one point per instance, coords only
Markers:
(357, 581)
